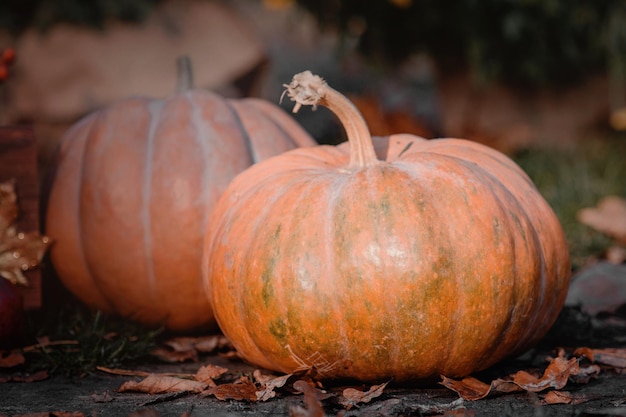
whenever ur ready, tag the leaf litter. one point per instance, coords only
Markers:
(578, 366)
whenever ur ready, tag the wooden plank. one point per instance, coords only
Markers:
(18, 160)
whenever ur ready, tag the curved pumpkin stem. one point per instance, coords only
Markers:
(311, 90)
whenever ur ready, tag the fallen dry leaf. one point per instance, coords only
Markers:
(11, 359)
(37, 376)
(208, 373)
(555, 376)
(599, 288)
(615, 357)
(352, 396)
(269, 384)
(585, 374)
(19, 251)
(161, 384)
(134, 372)
(311, 400)
(182, 349)
(244, 389)
(472, 389)
(608, 217)
(563, 397)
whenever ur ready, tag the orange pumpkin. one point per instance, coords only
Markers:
(133, 188)
(410, 259)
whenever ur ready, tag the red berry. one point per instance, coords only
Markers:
(4, 74)
(8, 55)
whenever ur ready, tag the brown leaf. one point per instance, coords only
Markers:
(468, 388)
(471, 389)
(182, 349)
(585, 374)
(11, 359)
(352, 396)
(563, 397)
(37, 376)
(615, 357)
(8, 205)
(608, 217)
(208, 373)
(209, 344)
(160, 384)
(269, 383)
(555, 376)
(244, 389)
(311, 400)
(18, 251)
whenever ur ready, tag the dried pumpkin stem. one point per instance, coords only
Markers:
(311, 90)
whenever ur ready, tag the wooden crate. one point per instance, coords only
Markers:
(18, 160)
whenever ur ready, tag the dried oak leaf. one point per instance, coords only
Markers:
(161, 384)
(243, 389)
(608, 217)
(11, 359)
(555, 375)
(351, 396)
(311, 400)
(614, 357)
(208, 373)
(19, 251)
(471, 389)
(563, 397)
(182, 349)
(37, 376)
(269, 383)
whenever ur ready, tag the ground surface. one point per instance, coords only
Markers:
(98, 393)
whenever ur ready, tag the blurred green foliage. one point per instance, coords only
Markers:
(527, 42)
(17, 15)
(535, 43)
(577, 177)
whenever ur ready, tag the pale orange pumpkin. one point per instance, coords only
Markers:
(439, 258)
(133, 188)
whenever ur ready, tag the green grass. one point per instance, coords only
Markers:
(578, 177)
(93, 339)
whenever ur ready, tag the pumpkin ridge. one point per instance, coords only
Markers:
(481, 176)
(244, 131)
(154, 110)
(440, 146)
(96, 140)
(286, 277)
(90, 276)
(489, 178)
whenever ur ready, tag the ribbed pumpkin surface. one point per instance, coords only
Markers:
(133, 188)
(440, 259)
